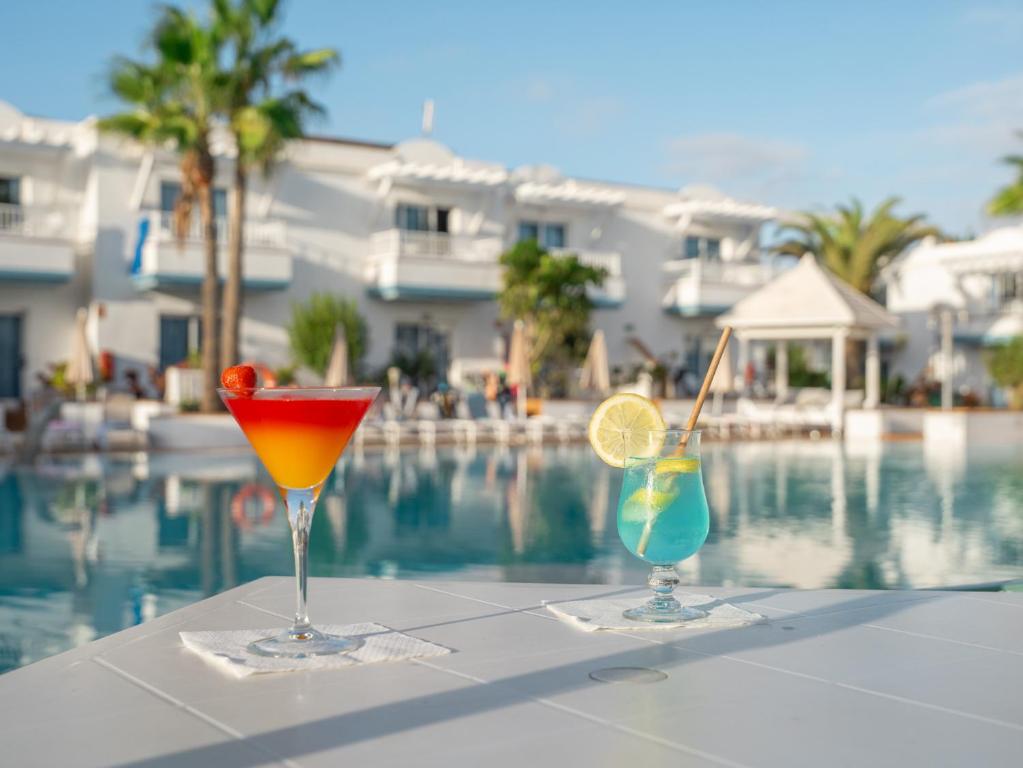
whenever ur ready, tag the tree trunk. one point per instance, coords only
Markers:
(230, 352)
(210, 286)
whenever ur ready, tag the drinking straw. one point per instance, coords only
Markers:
(694, 416)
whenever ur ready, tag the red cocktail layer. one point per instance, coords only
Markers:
(299, 440)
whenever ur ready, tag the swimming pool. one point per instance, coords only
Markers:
(90, 545)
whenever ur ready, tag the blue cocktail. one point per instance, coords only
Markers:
(663, 516)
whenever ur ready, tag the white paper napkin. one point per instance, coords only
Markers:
(591, 615)
(228, 650)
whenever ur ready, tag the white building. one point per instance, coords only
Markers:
(978, 286)
(411, 231)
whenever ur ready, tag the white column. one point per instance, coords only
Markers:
(781, 370)
(873, 373)
(743, 360)
(838, 379)
(946, 358)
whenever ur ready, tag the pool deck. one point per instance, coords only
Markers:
(833, 678)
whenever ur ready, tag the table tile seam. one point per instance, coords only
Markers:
(531, 610)
(146, 635)
(855, 688)
(542, 614)
(198, 714)
(1003, 603)
(907, 601)
(263, 610)
(939, 638)
(923, 635)
(594, 719)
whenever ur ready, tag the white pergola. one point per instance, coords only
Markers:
(807, 303)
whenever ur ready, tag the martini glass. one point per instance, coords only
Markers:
(299, 434)
(663, 517)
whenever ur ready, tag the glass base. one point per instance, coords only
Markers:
(658, 611)
(294, 644)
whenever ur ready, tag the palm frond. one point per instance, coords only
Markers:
(311, 62)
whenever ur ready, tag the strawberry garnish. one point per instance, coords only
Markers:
(239, 377)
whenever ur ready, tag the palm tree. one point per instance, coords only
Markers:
(854, 246)
(261, 118)
(1008, 201)
(175, 101)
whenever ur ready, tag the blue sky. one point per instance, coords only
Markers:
(794, 103)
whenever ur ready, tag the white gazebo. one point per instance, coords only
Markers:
(809, 303)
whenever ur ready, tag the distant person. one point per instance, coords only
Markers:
(505, 396)
(157, 380)
(445, 400)
(134, 386)
(681, 383)
(491, 387)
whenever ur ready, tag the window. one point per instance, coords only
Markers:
(1008, 287)
(170, 191)
(10, 190)
(713, 248)
(420, 218)
(548, 235)
(415, 218)
(180, 338)
(529, 230)
(421, 342)
(554, 236)
(694, 247)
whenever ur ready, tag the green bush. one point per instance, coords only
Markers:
(311, 331)
(800, 373)
(1005, 363)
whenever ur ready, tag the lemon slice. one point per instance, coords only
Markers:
(620, 428)
(644, 504)
(681, 465)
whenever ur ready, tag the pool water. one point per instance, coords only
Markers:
(91, 545)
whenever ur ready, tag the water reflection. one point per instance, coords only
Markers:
(89, 546)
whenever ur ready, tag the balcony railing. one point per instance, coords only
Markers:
(612, 293)
(32, 221)
(696, 287)
(612, 262)
(264, 234)
(733, 273)
(411, 265)
(403, 243)
(161, 262)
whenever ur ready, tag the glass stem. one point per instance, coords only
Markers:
(663, 580)
(301, 505)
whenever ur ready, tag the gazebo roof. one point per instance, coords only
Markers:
(807, 298)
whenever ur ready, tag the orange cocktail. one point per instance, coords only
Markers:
(299, 435)
(299, 438)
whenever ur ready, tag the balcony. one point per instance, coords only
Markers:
(698, 288)
(989, 326)
(35, 244)
(409, 266)
(612, 293)
(162, 262)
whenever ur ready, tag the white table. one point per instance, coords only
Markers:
(834, 678)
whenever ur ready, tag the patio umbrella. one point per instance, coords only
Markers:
(79, 363)
(518, 509)
(518, 364)
(595, 373)
(723, 382)
(337, 368)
